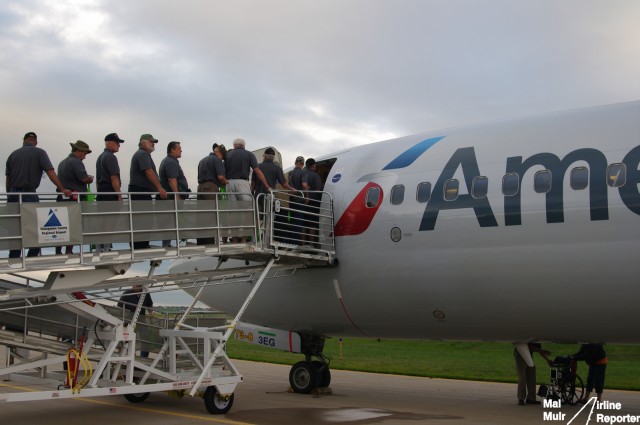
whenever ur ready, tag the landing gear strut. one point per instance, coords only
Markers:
(307, 375)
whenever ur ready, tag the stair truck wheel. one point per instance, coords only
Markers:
(215, 403)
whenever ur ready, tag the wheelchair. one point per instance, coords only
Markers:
(565, 384)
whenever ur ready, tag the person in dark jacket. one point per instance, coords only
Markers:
(129, 302)
(595, 356)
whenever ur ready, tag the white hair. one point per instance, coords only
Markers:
(239, 142)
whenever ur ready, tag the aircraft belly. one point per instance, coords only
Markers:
(563, 292)
(305, 302)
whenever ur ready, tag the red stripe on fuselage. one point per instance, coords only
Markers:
(357, 217)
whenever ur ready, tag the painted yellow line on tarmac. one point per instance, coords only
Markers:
(142, 409)
(15, 387)
(166, 412)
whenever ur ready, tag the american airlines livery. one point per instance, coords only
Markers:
(519, 230)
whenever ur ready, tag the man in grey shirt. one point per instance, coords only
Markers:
(23, 173)
(172, 177)
(273, 175)
(312, 182)
(72, 172)
(211, 178)
(108, 176)
(74, 175)
(108, 169)
(143, 176)
(296, 202)
(238, 165)
(211, 171)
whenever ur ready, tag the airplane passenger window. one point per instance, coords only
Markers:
(373, 197)
(542, 181)
(423, 193)
(616, 175)
(510, 184)
(397, 194)
(479, 187)
(579, 178)
(451, 189)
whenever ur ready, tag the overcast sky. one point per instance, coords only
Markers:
(308, 77)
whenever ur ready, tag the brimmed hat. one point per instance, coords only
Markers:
(80, 146)
(148, 137)
(113, 137)
(223, 150)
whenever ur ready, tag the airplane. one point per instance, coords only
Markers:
(519, 230)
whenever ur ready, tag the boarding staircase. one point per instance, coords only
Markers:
(275, 235)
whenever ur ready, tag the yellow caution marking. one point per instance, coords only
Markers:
(143, 409)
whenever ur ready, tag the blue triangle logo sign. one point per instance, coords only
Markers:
(53, 220)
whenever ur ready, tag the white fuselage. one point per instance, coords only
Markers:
(560, 266)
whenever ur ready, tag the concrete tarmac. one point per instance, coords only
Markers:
(356, 398)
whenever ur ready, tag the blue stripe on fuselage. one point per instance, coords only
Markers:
(407, 157)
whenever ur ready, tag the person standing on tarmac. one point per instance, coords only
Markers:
(595, 356)
(527, 375)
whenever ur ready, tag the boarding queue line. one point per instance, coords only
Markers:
(117, 232)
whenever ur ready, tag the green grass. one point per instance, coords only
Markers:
(484, 361)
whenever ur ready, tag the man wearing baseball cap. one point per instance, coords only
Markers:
(108, 175)
(143, 176)
(108, 169)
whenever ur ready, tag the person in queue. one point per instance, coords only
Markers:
(73, 175)
(211, 179)
(238, 165)
(23, 174)
(143, 177)
(109, 184)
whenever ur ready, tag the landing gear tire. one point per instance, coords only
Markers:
(215, 403)
(304, 377)
(325, 373)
